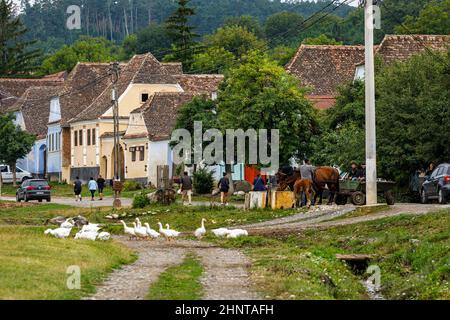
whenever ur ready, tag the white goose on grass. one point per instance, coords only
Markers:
(221, 232)
(150, 232)
(67, 224)
(200, 232)
(104, 236)
(129, 231)
(91, 228)
(87, 235)
(233, 234)
(139, 231)
(60, 233)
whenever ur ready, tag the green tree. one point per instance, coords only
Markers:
(247, 22)
(321, 40)
(282, 54)
(283, 28)
(152, 38)
(433, 19)
(259, 94)
(213, 60)
(235, 39)
(181, 33)
(84, 50)
(413, 115)
(15, 143)
(15, 55)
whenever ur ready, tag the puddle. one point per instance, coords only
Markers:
(372, 291)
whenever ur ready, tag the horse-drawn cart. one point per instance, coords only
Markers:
(356, 191)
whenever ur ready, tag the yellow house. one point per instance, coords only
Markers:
(91, 131)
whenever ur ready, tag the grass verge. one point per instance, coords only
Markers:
(180, 282)
(33, 266)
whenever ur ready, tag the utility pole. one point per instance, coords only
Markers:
(117, 165)
(371, 147)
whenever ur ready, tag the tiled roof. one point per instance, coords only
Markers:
(325, 67)
(140, 69)
(173, 67)
(11, 89)
(160, 113)
(35, 107)
(84, 84)
(402, 47)
(200, 84)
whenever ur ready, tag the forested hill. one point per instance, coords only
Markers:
(45, 18)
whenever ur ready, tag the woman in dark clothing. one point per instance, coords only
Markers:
(224, 186)
(77, 188)
(101, 185)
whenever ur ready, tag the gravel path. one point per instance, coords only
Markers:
(322, 221)
(226, 271)
(226, 276)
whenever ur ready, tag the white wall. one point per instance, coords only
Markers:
(54, 149)
(159, 154)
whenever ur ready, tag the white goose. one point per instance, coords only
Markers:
(221, 232)
(104, 236)
(87, 235)
(200, 232)
(60, 233)
(233, 234)
(173, 232)
(139, 231)
(167, 233)
(67, 224)
(150, 232)
(129, 231)
(91, 228)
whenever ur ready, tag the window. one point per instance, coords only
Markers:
(440, 171)
(75, 138)
(57, 145)
(144, 97)
(94, 140)
(80, 137)
(89, 137)
(133, 154)
(141, 153)
(18, 170)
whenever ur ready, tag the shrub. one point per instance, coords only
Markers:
(141, 200)
(131, 185)
(203, 181)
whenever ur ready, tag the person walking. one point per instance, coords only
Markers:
(93, 187)
(307, 173)
(101, 185)
(224, 186)
(77, 188)
(186, 188)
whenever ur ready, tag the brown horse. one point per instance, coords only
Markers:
(300, 186)
(326, 176)
(287, 178)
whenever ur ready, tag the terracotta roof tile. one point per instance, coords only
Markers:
(402, 47)
(160, 113)
(325, 67)
(199, 84)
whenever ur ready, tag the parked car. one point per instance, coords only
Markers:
(437, 185)
(34, 189)
(7, 175)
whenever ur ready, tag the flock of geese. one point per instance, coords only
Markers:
(87, 232)
(139, 231)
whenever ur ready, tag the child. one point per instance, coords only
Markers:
(77, 188)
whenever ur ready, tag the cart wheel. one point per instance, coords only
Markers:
(390, 199)
(358, 198)
(341, 200)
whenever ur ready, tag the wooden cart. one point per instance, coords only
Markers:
(355, 190)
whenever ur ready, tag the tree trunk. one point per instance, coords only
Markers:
(1, 184)
(125, 18)
(13, 169)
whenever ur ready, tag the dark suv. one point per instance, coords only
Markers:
(437, 186)
(34, 190)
